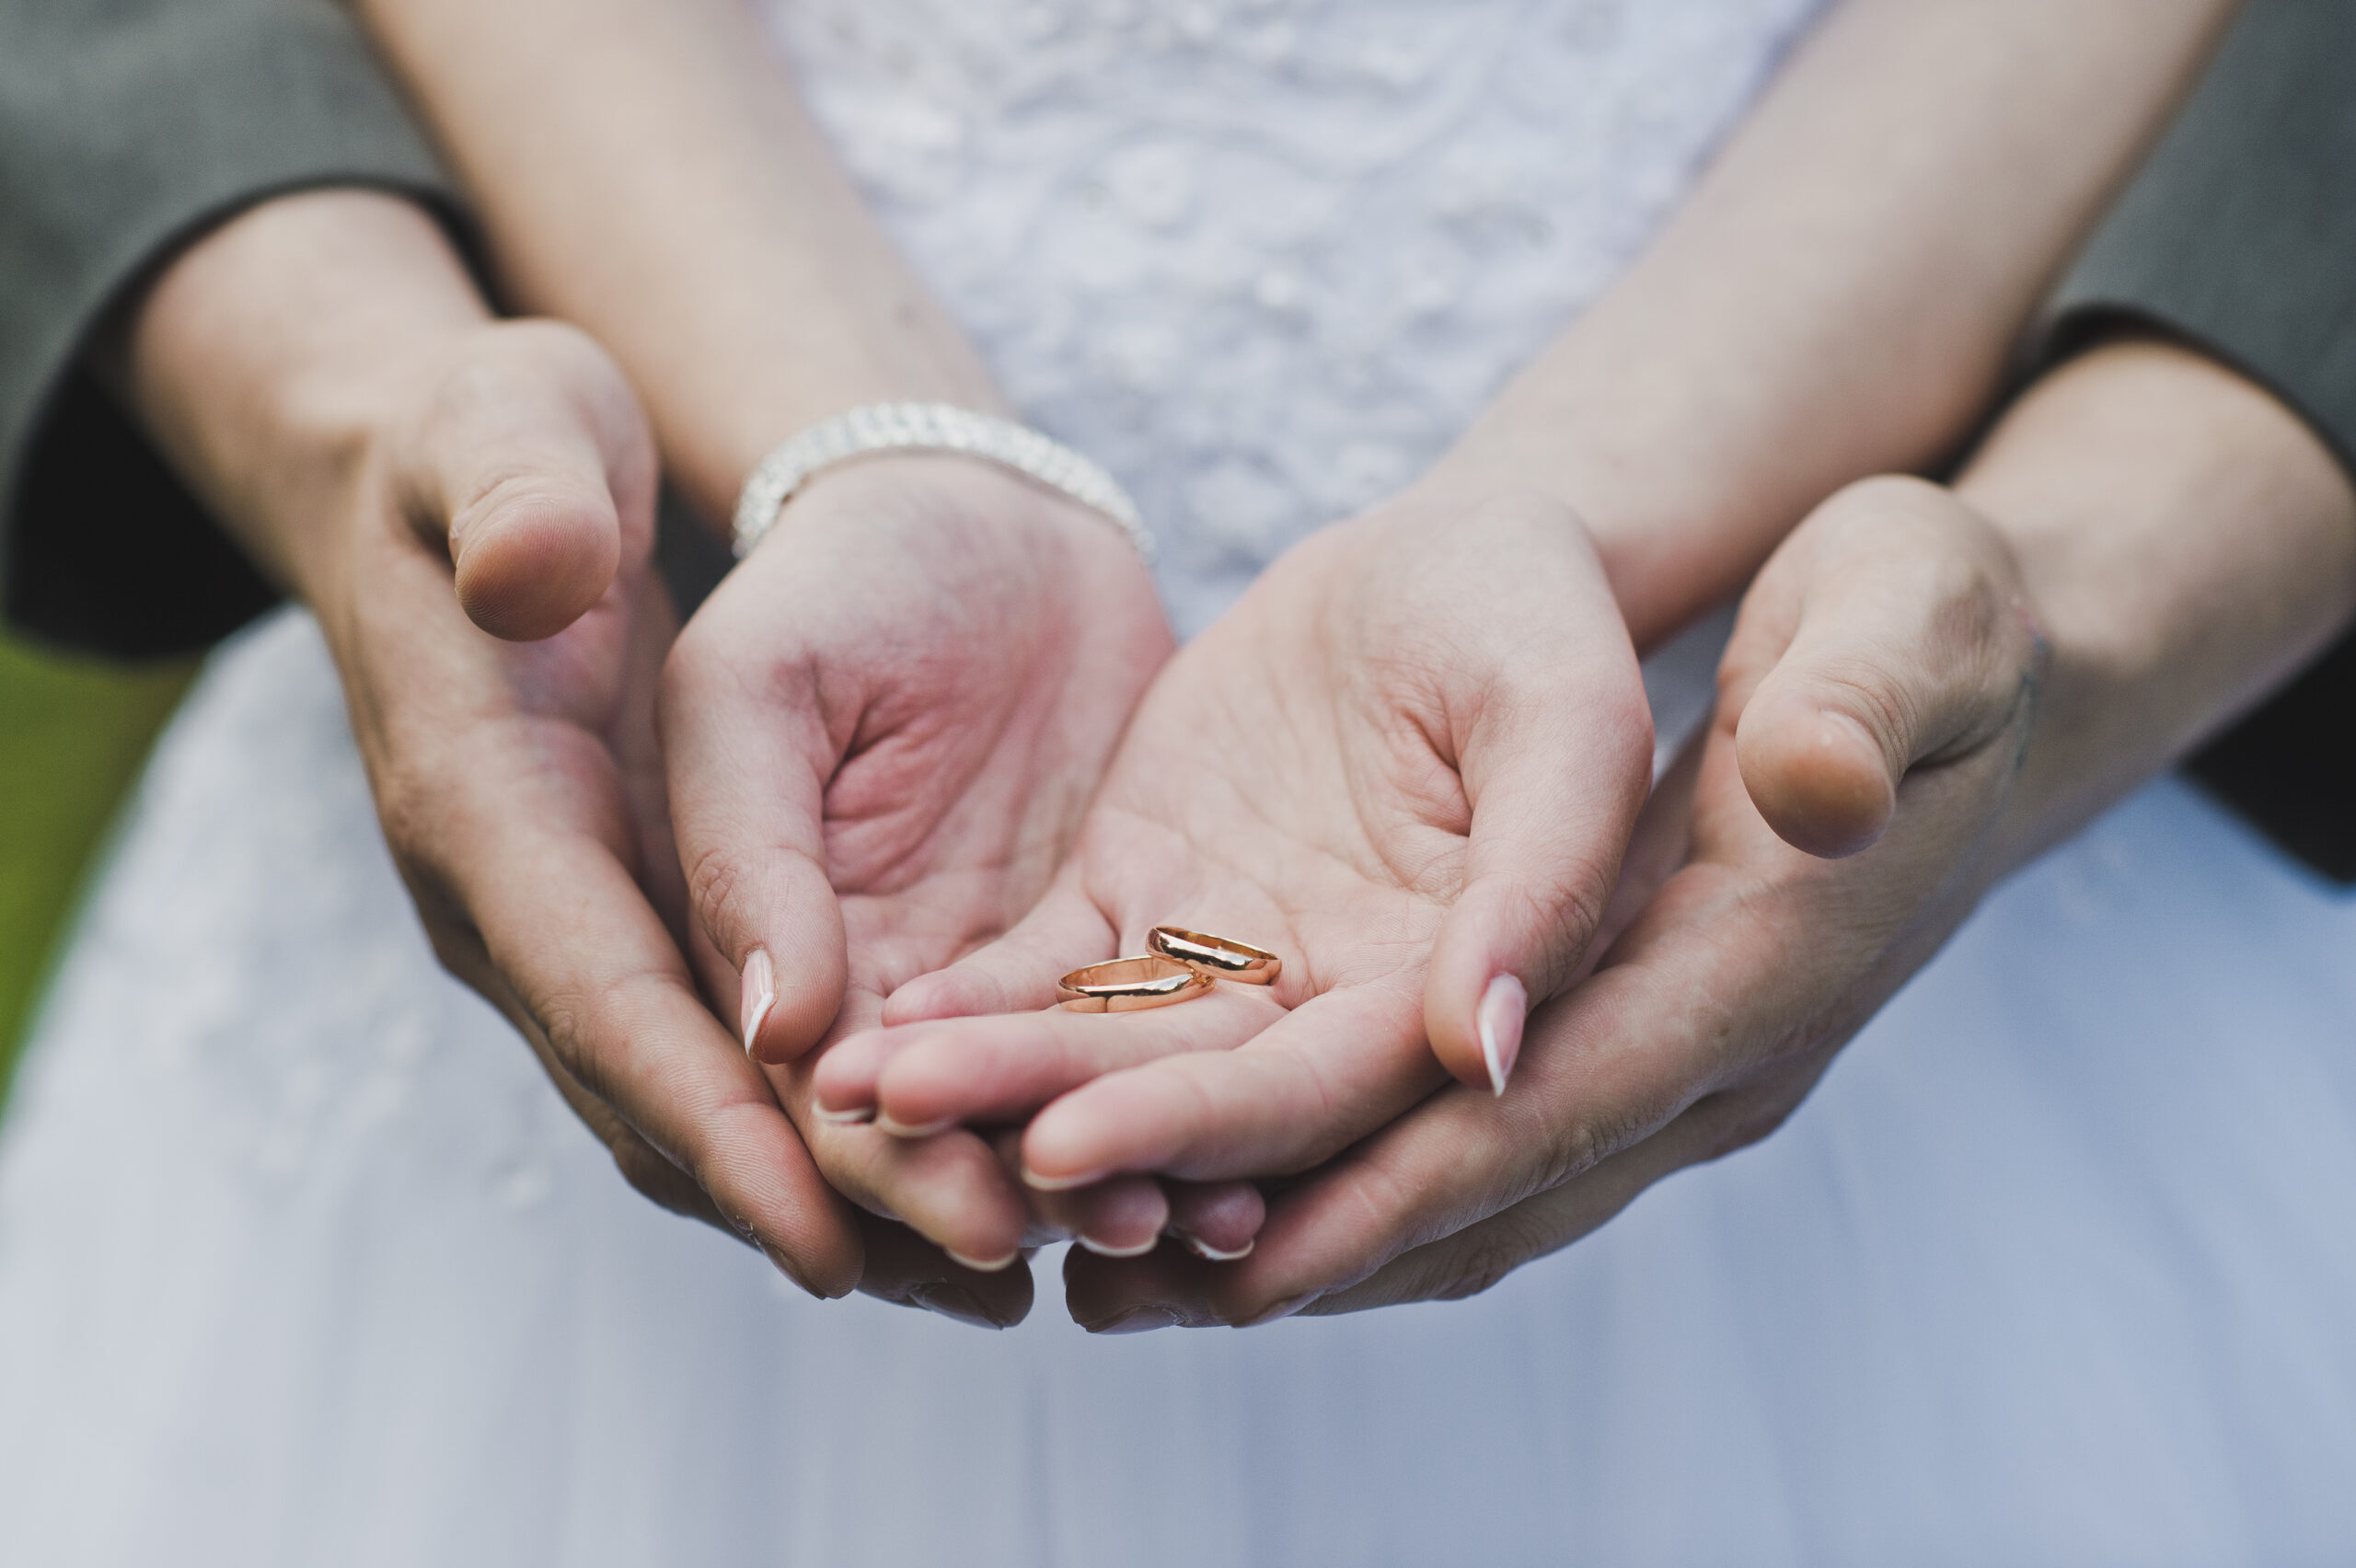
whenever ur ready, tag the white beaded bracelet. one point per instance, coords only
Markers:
(928, 427)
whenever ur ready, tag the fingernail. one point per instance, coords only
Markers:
(1283, 1309)
(1135, 1321)
(759, 992)
(985, 1266)
(849, 1118)
(1504, 1007)
(904, 1130)
(777, 1262)
(1039, 1183)
(954, 1301)
(1211, 1254)
(1106, 1249)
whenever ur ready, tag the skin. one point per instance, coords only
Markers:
(1952, 680)
(1898, 200)
(323, 373)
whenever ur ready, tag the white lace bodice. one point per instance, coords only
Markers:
(1265, 259)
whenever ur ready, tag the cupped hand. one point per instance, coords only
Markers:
(518, 782)
(1407, 761)
(881, 731)
(1875, 703)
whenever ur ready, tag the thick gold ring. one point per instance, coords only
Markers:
(1131, 985)
(1222, 958)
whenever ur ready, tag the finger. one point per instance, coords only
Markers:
(1606, 1064)
(1555, 757)
(1017, 972)
(950, 1189)
(1315, 1081)
(748, 755)
(591, 963)
(1217, 1221)
(534, 462)
(903, 1268)
(647, 1170)
(1123, 1217)
(1890, 632)
(1480, 1255)
(929, 1076)
(1110, 1295)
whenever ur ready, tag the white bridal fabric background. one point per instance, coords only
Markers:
(302, 1261)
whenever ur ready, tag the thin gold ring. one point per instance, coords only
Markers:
(1131, 985)
(1222, 958)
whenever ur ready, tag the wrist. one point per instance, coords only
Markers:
(1679, 490)
(271, 360)
(2189, 542)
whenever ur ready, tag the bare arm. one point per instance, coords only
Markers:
(1838, 296)
(1835, 300)
(644, 170)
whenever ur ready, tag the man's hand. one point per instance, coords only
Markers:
(1876, 696)
(321, 369)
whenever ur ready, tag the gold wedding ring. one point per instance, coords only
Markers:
(1131, 985)
(1222, 958)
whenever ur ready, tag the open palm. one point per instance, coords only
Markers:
(881, 731)
(1407, 761)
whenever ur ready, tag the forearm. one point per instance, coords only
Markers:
(262, 360)
(617, 145)
(1838, 296)
(2185, 539)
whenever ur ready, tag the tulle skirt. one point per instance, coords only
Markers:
(302, 1261)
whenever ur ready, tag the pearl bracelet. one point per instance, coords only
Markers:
(928, 427)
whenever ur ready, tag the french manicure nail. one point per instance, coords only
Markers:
(1283, 1309)
(921, 1130)
(954, 1301)
(1106, 1249)
(1211, 1254)
(1505, 1006)
(1039, 1183)
(1135, 1321)
(758, 989)
(851, 1118)
(984, 1265)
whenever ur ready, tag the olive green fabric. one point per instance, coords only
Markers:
(2239, 237)
(73, 733)
(127, 126)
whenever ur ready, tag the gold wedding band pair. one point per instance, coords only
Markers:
(1179, 966)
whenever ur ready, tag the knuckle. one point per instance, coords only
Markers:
(407, 810)
(716, 892)
(1480, 1263)
(1589, 1141)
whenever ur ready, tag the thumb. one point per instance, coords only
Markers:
(1555, 769)
(1890, 632)
(533, 462)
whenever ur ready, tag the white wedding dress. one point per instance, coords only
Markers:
(302, 1261)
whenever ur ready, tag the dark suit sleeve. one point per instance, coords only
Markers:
(2239, 237)
(127, 127)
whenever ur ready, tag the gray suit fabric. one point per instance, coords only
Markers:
(126, 128)
(2239, 237)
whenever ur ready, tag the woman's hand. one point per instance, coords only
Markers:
(1876, 701)
(1407, 761)
(882, 731)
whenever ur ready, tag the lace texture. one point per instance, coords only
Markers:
(1265, 258)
